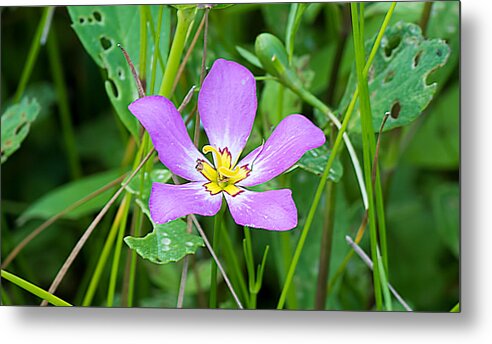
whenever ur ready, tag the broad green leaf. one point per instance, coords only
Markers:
(16, 122)
(100, 29)
(398, 76)
(314, 161)
(446, 206)
(167, 243)
(60, 198)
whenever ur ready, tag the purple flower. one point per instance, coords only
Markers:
(227, 105)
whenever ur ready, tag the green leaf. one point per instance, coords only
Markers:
(314, 161)
(60, 198)
(248, 56)
(16, 122)
(397, 77)
(167, 243)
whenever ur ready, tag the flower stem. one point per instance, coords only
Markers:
(64, 109)
(43, 26)
(185, 21)
(215, 246)
(33, 289)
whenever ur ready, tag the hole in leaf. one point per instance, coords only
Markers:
(395, 110)
(114, 88)
(393, 43)
(89, 20)
(120, 73)
(389, 77)
(97, 16)
(416, 59)
(105, 43)
(19, 128)
(439, 52)
(81, 20)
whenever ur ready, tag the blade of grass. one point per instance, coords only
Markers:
(38, 40)
(367, 132)
(34, 289)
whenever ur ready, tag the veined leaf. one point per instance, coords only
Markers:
(16, 122)
(397, 77)
(58, 199)
(167, 243)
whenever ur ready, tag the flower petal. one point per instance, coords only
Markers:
(168, 202)
(273, 210)
(293, 136)
(227, 105)
(169, 136)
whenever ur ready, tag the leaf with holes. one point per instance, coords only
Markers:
(100, 29)
(397, 77)
(167, 243)
(16, 122)
(314, 161)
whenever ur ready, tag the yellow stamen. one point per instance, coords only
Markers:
(225, 176)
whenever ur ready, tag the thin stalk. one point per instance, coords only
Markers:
(185, 21)
(217, 261)
(34, 289)
(53, 219)
(235, 267)
(284, 241)
(117, 254)
(250, 265)
(157, 37)
(137, 224)
(326, 244)
(36, 43)
(215, 246)
(384, 284)
(367, 132)
(188, 53)
(202, 76)
(108, 245)
(64, 109)
(142, 60)
(68, 262)
(424, 19)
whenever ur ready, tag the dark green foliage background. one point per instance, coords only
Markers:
(422, 177)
